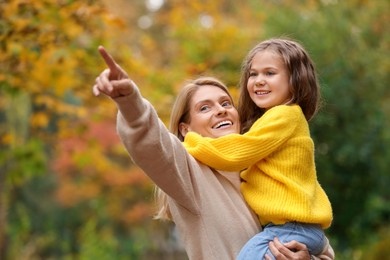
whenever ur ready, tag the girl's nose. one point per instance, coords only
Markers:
(260, 82)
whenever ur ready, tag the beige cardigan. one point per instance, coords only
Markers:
(212, 218)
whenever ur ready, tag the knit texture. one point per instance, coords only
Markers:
(277, 158)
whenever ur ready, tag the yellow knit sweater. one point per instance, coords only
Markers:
(277, 159)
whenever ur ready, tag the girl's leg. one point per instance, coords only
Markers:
(309, 234)
(256, 247)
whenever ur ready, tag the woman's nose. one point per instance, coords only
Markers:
(221, 110)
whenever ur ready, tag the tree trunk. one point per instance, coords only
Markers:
(3, 214)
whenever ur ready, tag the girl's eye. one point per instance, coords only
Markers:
(270, 73)
(252, 74)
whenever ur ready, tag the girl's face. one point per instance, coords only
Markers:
(268, 82)
(212, 114)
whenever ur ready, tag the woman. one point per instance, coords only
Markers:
(206, 205)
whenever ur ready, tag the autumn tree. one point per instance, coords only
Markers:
(45, 61)
(60, 158)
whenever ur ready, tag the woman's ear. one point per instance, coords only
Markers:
(183, 129)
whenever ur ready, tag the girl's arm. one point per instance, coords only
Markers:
(236, 152)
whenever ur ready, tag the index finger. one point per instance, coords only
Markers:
(108, 59)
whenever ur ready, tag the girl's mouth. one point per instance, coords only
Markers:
(263, 92)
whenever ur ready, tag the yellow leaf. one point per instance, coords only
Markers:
(8, 139)
(39, 119)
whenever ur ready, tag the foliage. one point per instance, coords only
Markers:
(68, 188)
(48, 54)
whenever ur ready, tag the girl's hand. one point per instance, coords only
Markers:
(283, 251)
(113, 81)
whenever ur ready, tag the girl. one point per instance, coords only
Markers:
(279, 95)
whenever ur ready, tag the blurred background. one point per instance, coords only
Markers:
(68, 190)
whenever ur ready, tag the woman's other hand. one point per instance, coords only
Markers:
(283, 251)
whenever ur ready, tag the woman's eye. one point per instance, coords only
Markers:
(204, 108)
(226, 104)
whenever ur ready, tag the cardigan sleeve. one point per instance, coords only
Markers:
(155, 150)
(236, 152)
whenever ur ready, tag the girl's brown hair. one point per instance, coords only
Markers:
(181, 114)
(304, 85)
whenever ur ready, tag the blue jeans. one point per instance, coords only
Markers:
(309, 234)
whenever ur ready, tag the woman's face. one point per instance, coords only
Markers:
(212, 114)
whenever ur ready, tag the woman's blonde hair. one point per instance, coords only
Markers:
(181, 114)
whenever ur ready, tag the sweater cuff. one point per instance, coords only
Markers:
(131, 106)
